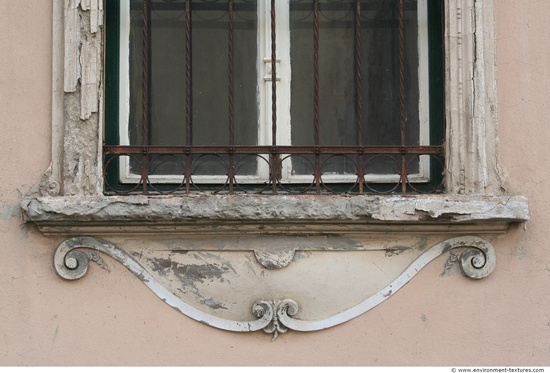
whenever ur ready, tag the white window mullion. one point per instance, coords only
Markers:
(424, 89)
(282, 42)
(124, 89)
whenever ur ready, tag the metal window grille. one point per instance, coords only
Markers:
(146, 155)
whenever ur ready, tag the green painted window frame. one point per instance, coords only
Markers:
(437, 125)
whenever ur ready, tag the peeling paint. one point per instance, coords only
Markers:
(275, 259)
(213, 304)
(400, 249)
(10, 211)
(78, 136)
(299, 255)
(520, 252)
(471, 134)
(84, 177)
(243, 214)
(179, 251)
(188, 275)
(396, 250)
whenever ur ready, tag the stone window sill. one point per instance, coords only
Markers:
(246, 214)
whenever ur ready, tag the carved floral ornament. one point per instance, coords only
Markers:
(274, 263)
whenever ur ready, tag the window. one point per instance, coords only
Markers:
(74, 203)
(324, 96)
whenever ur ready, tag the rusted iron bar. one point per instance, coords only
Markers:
(188, 92)
(145, 88)
(316, 115)
(274, 164)
(249, 6)
(231, 171)
(359, 93)
(402, 94)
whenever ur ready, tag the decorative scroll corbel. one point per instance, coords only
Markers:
(475, 255)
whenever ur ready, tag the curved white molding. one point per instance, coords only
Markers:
(477, 260)
(476, 257)
(72, 264)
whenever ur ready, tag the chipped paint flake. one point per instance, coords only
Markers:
(275, 258)
(72, 43)
(90, 62)
(221, 213)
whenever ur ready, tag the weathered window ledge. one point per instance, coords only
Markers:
(273, 214)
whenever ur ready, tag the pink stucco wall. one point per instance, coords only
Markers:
(112, 319)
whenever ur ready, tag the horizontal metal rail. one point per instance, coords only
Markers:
(278, 149)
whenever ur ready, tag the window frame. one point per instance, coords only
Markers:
(475, 185)
(430, 179)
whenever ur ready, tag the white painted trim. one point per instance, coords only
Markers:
(124, 90)
(58, 93)
(124, 71)
(423, 88)
(470, 99)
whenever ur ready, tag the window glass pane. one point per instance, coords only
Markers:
(336, 72)
(210, 68)
(135, 66)
(381, 72)
(336, 80)
(380, 79)
(209, 76)
(245, 65)
(384, 80)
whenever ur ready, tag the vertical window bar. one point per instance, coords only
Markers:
(359, 95)
(275, 161)
(317, 171)
(402, 103)
(188, 94)
(145, 92)
(231, 171)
